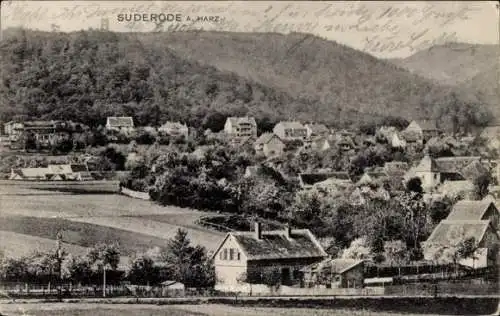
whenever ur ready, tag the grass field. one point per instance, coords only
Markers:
(31, 219)
(61, 309)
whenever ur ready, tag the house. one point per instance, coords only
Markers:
(80, 172)
(240, 127)
(244, 257)
(269, 144)
(424, 129)
(335, 273)
(456, 189)
(175, 129)
(434, 171)
(120, 123)
(29, 174)
(339, 181)
(492, 136)
(345, 142)
(444, 242)
(372, 176)
(77, 172)
(475, 210)
(43, 132)
(319, 144)
(308, 180)
(12, 128)
(290, 130)
(397, 141)
(317, 130)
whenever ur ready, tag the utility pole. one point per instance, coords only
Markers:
(103, 280)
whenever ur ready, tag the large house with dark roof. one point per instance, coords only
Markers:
(434, 171)
(421, 130)
(443, 243)
(254, 253)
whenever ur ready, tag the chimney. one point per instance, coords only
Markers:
(288, 231)
(258, 230)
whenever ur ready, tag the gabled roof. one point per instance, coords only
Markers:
(452, 232)
(266, 138)
(454, 164)
(336, 266)
(469, 210)
(276, 245)
(60, 169)
(242, 120)
(34, 172)
(291, 124)
(120, 121)
(396, 168)
(474, 170)
(427, 125)
(318, 128)
(312, 178)
(173, 125)
(491, 131)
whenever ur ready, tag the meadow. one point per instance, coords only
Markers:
(76, 309)
(30, 220)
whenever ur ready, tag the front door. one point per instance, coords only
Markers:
(285, 276)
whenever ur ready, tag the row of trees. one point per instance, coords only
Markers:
(180, 261)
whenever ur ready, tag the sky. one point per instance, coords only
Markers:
(383, 29)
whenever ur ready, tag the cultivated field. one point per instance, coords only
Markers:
(31, 218)
(75, 309)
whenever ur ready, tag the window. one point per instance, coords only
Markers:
(225, 254)
(238, 256)
(231, 254)
(221, 255)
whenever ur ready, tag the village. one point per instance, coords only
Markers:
(284, 259)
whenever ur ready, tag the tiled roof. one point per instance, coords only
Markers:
(60, 169)
(34, 172)
(264, 138)
(454, 164)
(474, 170)
(120, 121)
(318, 128)
(275, 245)
(312, 178)
(396, 168)
(336, 266)
(469, 210)
(452, 232)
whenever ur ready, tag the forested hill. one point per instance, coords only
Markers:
(88, 75)
(471, 67)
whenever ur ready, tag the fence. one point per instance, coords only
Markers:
(25, 290)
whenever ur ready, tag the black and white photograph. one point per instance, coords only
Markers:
(249, 158)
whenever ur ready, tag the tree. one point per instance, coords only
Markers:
(481, 184)
(143, 271)
(189, 265)
(395, 252)
(414, 185)
(357, 250)
(105, 255)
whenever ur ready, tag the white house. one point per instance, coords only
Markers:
(241, 127)
(120, 123)
(243, 257)
(290, 130)
(174, 129)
